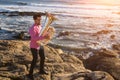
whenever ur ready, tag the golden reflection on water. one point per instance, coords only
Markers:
(107, 2)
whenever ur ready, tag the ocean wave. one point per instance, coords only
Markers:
(3, 10)
(92, 7)
(18, 13)
(21, 3)
(9, 2)
(77, 49)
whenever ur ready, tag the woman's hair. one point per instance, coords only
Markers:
(36, 15)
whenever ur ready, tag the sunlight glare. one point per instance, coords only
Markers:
(109, 1)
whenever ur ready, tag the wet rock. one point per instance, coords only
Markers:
(20, 35)
(112, 36)
(116, 47)
(30, 13)
(109, 25)
(103, 32)
(64, 33)
(16, 13)
(21, 3)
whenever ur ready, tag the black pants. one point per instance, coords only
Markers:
(35, 57)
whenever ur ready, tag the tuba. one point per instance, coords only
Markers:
(47, 30)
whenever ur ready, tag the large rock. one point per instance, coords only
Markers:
(62, 62)
(96, 75)
(116, 47)
(99, 75)
(108, 64)
(15, 59)
(107, 53)
(3, 78)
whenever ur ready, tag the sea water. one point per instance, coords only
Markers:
(89, 23)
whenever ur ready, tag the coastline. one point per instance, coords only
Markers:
(15, 58)
(85, 46)
(61, 36)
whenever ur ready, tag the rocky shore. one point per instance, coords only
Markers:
(15, 58)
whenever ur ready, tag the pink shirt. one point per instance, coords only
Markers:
(34, 33)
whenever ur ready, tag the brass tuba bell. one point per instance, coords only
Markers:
(47, 29)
